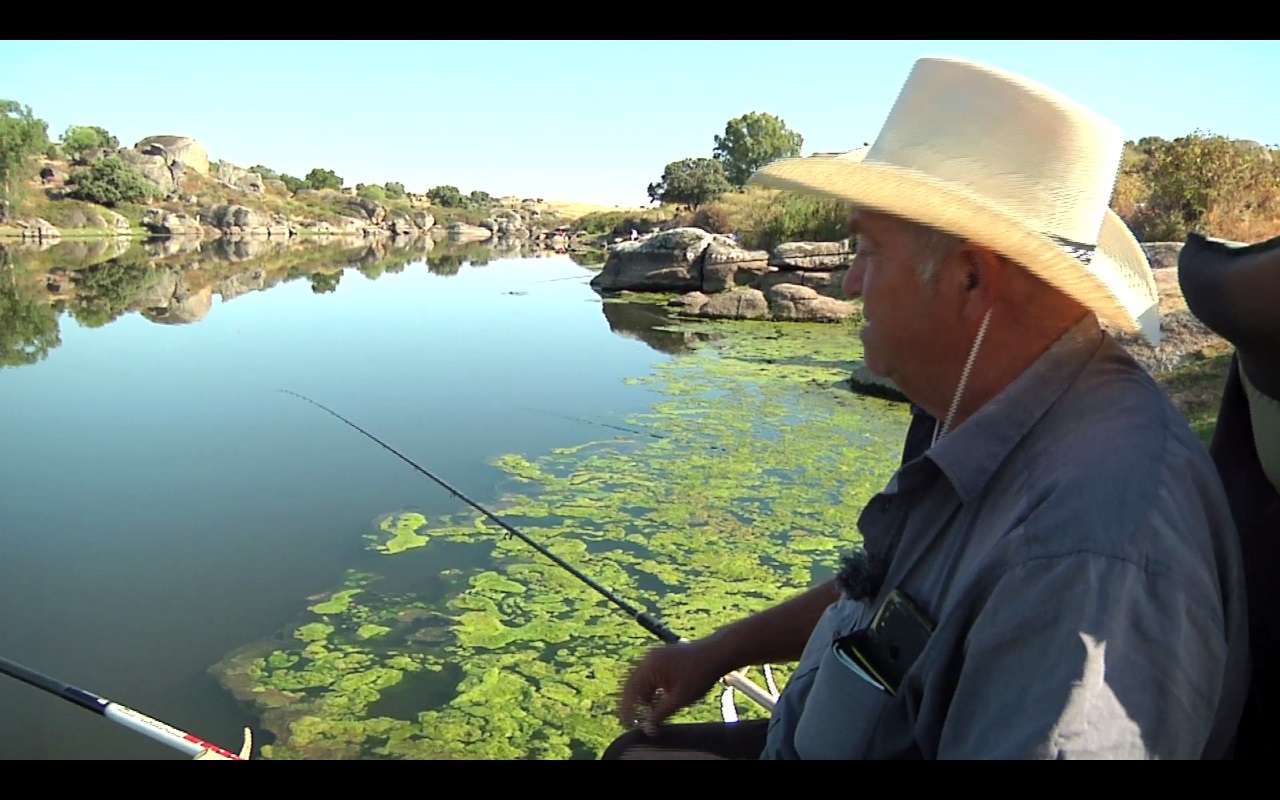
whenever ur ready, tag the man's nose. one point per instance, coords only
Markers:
(852, 283)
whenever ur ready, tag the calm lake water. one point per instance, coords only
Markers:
(163, 504)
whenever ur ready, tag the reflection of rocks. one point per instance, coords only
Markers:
(159, 294)
(244, 249)
(641, 322)
(462, 232)
(90, 251)
(243, 283)
(182, 308)
(172, 280)
(38, 229)
(166, 223)
(171, 246)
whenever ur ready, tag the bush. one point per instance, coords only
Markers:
(371, 191)
(1201, 183)
(111, 182)
(764, 219)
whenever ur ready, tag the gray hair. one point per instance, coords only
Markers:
(932, 246)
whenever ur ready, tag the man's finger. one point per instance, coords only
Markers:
(638, 691)
(664, 705)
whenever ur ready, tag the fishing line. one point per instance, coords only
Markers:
(608, 425)
(653, 626)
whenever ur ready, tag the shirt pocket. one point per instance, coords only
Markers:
(841, 713)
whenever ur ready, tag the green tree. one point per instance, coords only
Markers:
(291, 183)
(395, 190)
(323, 283)
(445, 196)
(372, 191)
(110, 182)
(751, 141)
(79, 139)
(322, 179)
(28, 329)
(691, 182)
(479, 199)
(22, 135)
(105, 291)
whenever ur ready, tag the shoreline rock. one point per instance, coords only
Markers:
(204, 199)
(715, 277)
(710, 276)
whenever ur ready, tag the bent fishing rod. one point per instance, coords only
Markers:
(653, 626)
(127, 717)
(608, 425)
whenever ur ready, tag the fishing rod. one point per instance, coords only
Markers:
(123, 715)
(608, 425)
(601, 424)
(653, 626)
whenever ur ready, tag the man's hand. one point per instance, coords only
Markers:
(671, 677)
(667, 679)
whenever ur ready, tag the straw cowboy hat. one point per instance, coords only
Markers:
(1006, 163)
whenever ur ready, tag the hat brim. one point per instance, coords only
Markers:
(1117, 285)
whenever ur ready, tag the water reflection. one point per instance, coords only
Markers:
(172, 281)
(645, 322)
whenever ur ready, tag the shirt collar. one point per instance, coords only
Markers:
(971, 453)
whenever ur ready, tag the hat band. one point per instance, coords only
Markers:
(1080, 252)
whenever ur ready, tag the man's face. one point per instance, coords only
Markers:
(905, 328)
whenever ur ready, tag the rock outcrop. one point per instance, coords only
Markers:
(797, 281)
(184, 149)
(196, 197)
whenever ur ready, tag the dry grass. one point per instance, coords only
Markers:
(570, 210)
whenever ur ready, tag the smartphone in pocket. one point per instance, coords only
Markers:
(883, 651)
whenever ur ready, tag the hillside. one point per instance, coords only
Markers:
(86, 185)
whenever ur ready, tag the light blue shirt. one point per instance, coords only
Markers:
(1073, 545)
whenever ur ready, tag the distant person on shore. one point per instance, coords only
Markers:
(1053, 571)
(1235, 291)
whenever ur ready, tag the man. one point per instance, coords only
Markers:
(1235, 291)
(1053, 572)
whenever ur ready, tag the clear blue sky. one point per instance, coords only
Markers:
(578, 120)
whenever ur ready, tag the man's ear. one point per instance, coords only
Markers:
(981, 275)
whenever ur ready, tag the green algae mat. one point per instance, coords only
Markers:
(738, 489)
